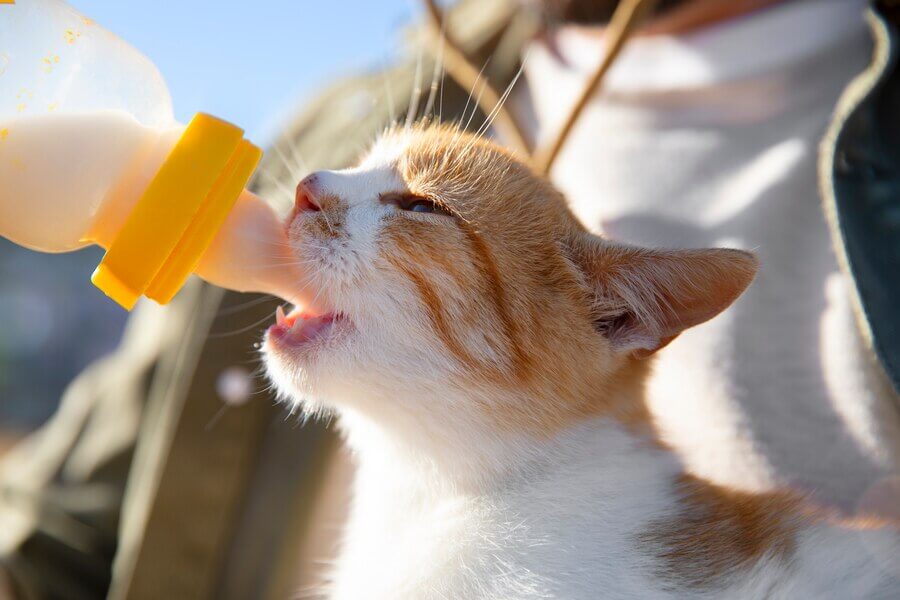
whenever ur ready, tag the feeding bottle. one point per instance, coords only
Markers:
(90, 153)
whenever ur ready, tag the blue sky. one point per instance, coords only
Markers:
(250, 62)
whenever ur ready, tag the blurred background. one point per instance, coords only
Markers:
(709, 138)
(251, 67)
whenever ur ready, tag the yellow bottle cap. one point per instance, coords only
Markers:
(178, 215)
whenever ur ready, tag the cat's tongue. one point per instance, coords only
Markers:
(298, 328)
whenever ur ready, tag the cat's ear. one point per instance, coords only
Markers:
(642, 299)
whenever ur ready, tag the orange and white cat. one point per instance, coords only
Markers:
(486, 356)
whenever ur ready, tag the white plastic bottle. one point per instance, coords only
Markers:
(90, 153)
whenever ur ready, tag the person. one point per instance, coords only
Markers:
(705, 133)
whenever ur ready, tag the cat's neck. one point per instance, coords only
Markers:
(466, 452)
(418, 458)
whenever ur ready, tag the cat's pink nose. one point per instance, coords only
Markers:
(305, 197)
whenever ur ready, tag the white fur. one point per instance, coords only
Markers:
(559, 521)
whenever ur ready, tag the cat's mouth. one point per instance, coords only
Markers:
(300, 330)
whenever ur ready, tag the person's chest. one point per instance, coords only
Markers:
(761, 383)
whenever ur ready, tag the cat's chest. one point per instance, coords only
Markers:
(396, 546)
(557, 536)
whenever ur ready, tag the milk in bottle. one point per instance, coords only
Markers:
(90, 153)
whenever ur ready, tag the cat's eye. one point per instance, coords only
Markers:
(417, 204)
(426, 206)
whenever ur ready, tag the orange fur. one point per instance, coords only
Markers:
(719, 531)
(516, 270)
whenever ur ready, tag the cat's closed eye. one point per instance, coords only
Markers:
(416, 203)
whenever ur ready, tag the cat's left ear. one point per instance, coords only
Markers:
(642, 299)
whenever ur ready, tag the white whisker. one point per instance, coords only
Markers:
(223, 312)
(493, 114)
(389, 94)
(416, 91)
(437, 71)
(295, 170)
(289, 195)
(475, 106)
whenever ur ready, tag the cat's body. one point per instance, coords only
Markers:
(584, 518)
(487, 357)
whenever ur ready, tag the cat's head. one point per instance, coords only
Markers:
(455, 279)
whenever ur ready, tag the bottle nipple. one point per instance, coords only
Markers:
(251, 253)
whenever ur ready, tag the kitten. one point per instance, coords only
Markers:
(486, 356)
